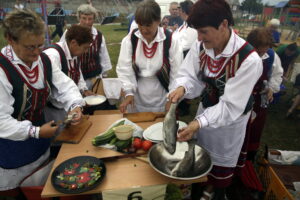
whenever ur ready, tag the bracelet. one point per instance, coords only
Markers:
(32, 132)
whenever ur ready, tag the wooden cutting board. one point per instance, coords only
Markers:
(143, 116)
(74, 133)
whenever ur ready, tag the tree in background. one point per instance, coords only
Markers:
(252, 6)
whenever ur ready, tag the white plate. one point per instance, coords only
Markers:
(154, 132)
(94, 100)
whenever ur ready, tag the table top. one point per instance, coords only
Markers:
(120, 174)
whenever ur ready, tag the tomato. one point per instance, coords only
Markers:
(73, 186)
(146, 145)
(137, 143)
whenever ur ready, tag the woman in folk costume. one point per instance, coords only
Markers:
(223, 68)
(148, 62)
(95, 62)
(64, 55)
(269, 83)
(27, 80)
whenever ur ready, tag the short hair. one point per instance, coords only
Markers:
(210, 13)
(292, 47)
(86, 9)
(173, 3)
(19, 22)
(147, 12)
(260, 37)
(81, 34)
(186, 6)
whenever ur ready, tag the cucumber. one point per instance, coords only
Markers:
(113, 141)
(123, 144)
(107, 136)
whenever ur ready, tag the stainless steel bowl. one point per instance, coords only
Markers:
(163, 162)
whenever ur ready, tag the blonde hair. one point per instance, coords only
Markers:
(86, 9)
(18, 22)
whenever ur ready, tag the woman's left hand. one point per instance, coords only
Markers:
(270, 95)
(88, 93)
(188, 132)
(78, 115)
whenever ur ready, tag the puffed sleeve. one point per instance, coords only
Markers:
(276, 76)
(124, 68)
(104, 57)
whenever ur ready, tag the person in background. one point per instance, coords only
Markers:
(186, 35)
(60, 20)
(273, 25)
(64, 56)
(27, 80)
(96, 62)
(268, 84)
(174, 19)
(288, 54)
(19, 5)
(148, 62)
(223, 68)
(296, 99)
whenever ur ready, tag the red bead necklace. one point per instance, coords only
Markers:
(32, 75)
(149, 52)
(215, 66)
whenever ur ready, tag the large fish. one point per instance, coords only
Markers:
(185, 166)
(170, 128)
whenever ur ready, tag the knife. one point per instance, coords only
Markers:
(66, 122)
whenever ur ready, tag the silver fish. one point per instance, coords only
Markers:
(170, 128)
(184, 167)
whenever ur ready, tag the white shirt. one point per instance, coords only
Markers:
(54, 56)
(186, 35)
(64, 91)
(104, 56)
(148, 67)
(277, 73)
(223, 125)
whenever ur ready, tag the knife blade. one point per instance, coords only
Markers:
(131, 155)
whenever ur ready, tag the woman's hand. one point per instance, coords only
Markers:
(176, 95)
(188, 132)
(270, 95)
(48, 130)
(77, 115)
(88, 93)
(128, 100)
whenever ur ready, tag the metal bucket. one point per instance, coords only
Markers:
(163, 162)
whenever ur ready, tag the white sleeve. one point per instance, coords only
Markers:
(237, 92)
(104, 57)
(10, 128)
(175, 59)
(66, 91)
(189, 36)
(276, 76)
(81, 83)
(63, 37)
(188, 74)
(124, 68)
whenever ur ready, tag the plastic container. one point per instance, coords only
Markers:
(124, 132)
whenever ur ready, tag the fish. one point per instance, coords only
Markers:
(185, 166)
(170, 128)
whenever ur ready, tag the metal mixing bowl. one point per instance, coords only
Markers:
(163, 162)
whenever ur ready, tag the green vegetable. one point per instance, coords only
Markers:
(123, 144)
(107, 136)
(113, 141)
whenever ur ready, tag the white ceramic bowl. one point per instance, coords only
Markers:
(124, 132)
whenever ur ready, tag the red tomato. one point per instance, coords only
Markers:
(73, 186)
(146, 145)
(137, 143)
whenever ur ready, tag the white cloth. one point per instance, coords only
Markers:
(285, 158)
(186, 36)
(149, 94)
(54, 56)
(104, 56)
(223, 125)
(133, 26)
(10, 178)
(277, 72)
(112, 88)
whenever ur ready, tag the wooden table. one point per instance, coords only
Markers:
(120, 174)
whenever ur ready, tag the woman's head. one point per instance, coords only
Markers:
(210, 13)
(78, 39)
(86, 15)
(24, 31)
(147, 16)
(212, 19)
(260, 39)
